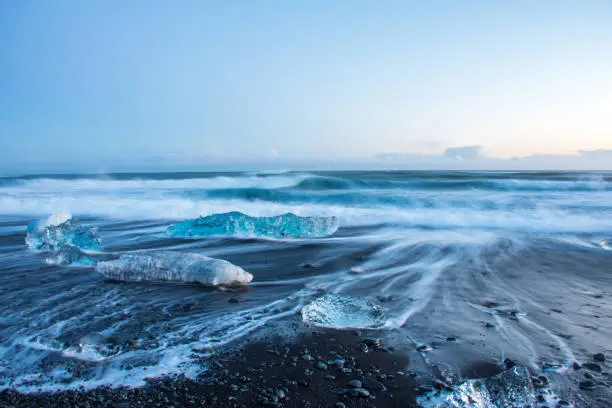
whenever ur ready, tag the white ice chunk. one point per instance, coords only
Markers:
(336, 311)
(174, 266)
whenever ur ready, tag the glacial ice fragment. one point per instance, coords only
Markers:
(174, 266)
(236, 223)
(337, 311)
(511, 388)
(70, 255)
(606, 244)
(57, 231)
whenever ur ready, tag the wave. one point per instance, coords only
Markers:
(442, 213)
(111, 184)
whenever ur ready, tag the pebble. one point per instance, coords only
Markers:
(321, 365)
(372, 342)
(233, 300)
(599, 357)
(592, 367)
(355, 384)
(339, 405)
(330, 377)
(586, 385)
(337, 363)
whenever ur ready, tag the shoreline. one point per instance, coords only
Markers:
(322, 368)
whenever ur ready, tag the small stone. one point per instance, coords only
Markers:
(489, 325)
(576, 366)
(363, 392)
(588, 375)
(303, 383)
(234, 387)
(363, 348)
(308, 266)
(233, 300)
(509, 363)
(451, 339)
(355, 384)
(599, 357)
(586, 385)
(321, 365)
(330, 377)
(280, 394)
(339, 405)
(372, 342)
(592, 367)
(423, 347)
(337, 363)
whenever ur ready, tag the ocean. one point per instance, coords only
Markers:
(466, 267)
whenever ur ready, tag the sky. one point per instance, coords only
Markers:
(110, 85)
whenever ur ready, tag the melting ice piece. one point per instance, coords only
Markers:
(174, 266)
(606, 244)
(336, 311)
(511, 388)
(58, 231)
(236, 223)
(70, 255)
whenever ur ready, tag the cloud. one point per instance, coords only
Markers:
(473, 158)
(463, 152)
(598, 154)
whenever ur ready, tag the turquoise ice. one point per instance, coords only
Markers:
(70, 255)
(58, 231)
(239, 224)
(511, 388)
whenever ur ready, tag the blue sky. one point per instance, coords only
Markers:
(102, 85)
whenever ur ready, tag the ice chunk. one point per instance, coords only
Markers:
(57, 231)
(174, 266)
(338, 312)
(236, 223)
(511, 388)
(70, 255)
(606, 244)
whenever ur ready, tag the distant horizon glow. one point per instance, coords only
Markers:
(103, 86)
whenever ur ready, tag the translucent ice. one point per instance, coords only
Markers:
(174, 266)
(338, 311)
(57, 231)
(70, 255)
(511, 388)
(236, 223)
